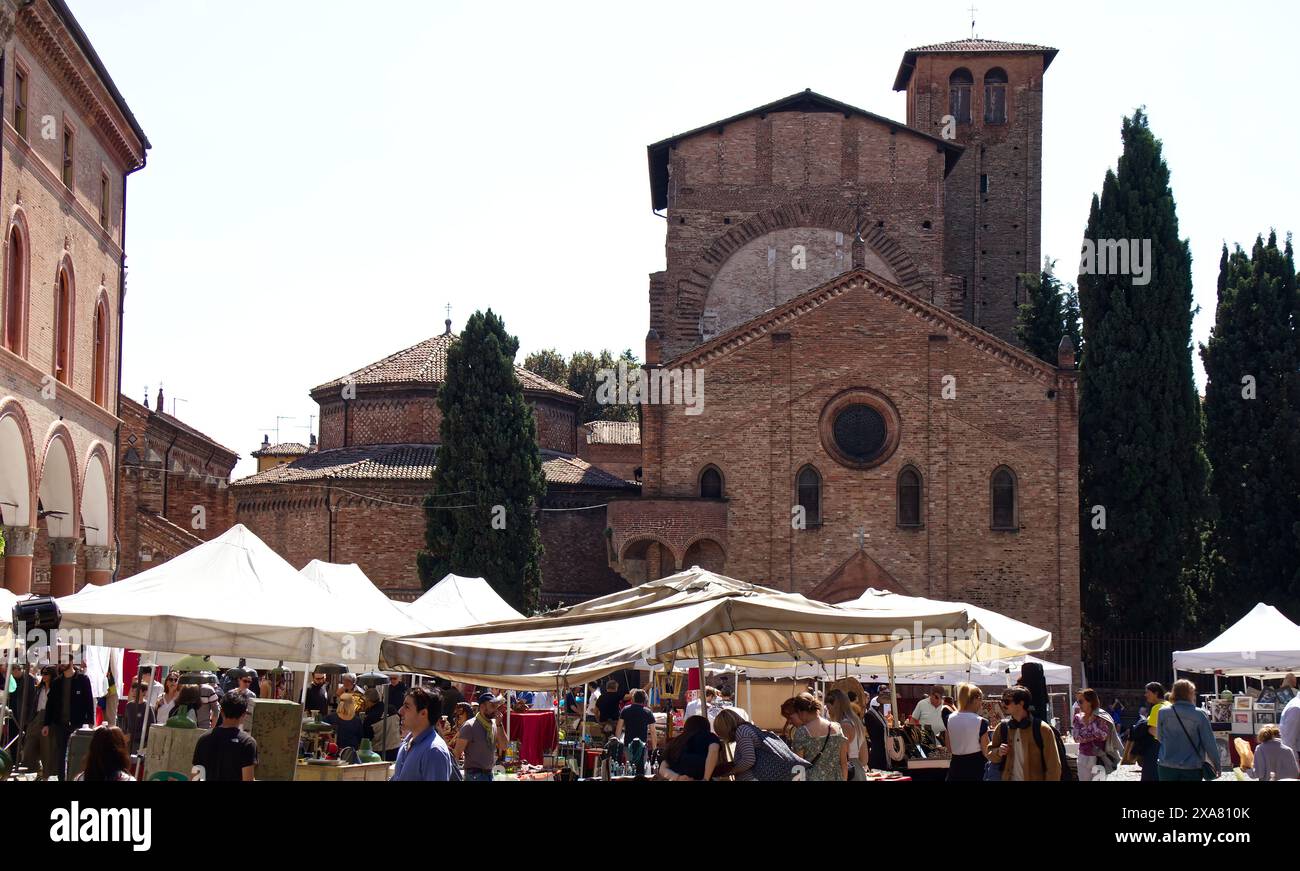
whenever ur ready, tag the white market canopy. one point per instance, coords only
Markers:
(1261, 643)
(349, 586)
(658, 621)
(231, 596)
(998, 673)
(456, 601)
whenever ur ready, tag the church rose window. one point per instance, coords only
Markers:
(860, 433)
(859, 428)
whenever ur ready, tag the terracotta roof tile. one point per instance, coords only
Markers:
(283, 449)
(407, 462)
(967, 46)
(426, 363)
(613, 432)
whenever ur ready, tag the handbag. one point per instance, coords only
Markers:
(773, 758)
(1208, 771)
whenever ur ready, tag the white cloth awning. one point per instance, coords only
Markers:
(231, 596)
(658, 621)
(457, 601)
(998, 673)
(1262, 642)
(347, 585)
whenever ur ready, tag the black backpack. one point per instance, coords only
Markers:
(1066, 772)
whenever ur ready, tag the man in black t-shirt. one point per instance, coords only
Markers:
(607, 703)
(228, 752)
(637, 721)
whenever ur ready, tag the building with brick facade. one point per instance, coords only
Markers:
(70, 142)
(269, 456)
(173, 487)
(846, 286)
(357, 497)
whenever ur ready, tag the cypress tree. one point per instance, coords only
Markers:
(1050, 312)
(1141, 460)
(1252, 417)
(480, 518)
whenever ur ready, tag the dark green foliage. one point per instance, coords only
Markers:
(1140, 451)
(481, 514)
(1051, 311)
(1252, 417)
(583, 374)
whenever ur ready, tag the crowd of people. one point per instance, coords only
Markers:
(439, 735)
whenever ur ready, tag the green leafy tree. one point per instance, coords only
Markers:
(481, 514)
(1252, 418)
(1141, 460)
(550, 365)
(1050, 312)
(588, 371)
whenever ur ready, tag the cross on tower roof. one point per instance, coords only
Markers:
(972, 11)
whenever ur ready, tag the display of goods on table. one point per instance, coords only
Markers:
(879, 776)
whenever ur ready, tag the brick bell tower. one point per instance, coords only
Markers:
(988, 96)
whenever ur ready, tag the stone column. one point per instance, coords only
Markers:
(20, 545)
(63, 566)
(99, 564)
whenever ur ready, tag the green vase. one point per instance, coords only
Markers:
(365, 754)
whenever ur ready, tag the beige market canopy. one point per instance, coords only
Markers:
(676, 618)
(349, 586)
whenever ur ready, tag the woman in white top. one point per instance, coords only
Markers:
(166, 703)
(841, 711)
(967, 736)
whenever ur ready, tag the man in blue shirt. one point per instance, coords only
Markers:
(423, 754)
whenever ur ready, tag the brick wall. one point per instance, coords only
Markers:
(620, 460)
(990, 237)
(791, 178)
(760, 425)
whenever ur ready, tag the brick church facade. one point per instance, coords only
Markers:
(847, 286)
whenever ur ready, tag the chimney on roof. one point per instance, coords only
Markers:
(160, 399)
(266, 442)
(312, 444)
(146, 396)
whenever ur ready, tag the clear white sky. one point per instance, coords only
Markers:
(326, 176)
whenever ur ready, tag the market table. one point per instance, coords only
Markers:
(536, 732)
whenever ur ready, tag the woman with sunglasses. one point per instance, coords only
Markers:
(166, 703)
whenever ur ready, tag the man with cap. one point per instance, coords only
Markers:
(481, 740)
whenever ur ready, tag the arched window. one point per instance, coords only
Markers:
(1003, 485)
(995, 96)
(63, 329)
(711, 483)
(909, 497)
(959, 88)
(809, 485)
(15, 311)
(99, 384)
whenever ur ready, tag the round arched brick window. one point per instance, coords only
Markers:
(859, 428)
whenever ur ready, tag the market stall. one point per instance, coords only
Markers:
(686, 619)
(459, 601)
(1263, 643)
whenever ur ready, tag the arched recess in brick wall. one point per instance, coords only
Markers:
(707, 554)
(96, 506)
(693, 291)
(17, 466)
(647, 559)
(17, 283)
(56, 485)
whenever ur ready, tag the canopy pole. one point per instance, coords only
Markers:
(893, 694)
(1216, 684)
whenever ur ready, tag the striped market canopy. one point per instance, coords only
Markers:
(660, 621)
